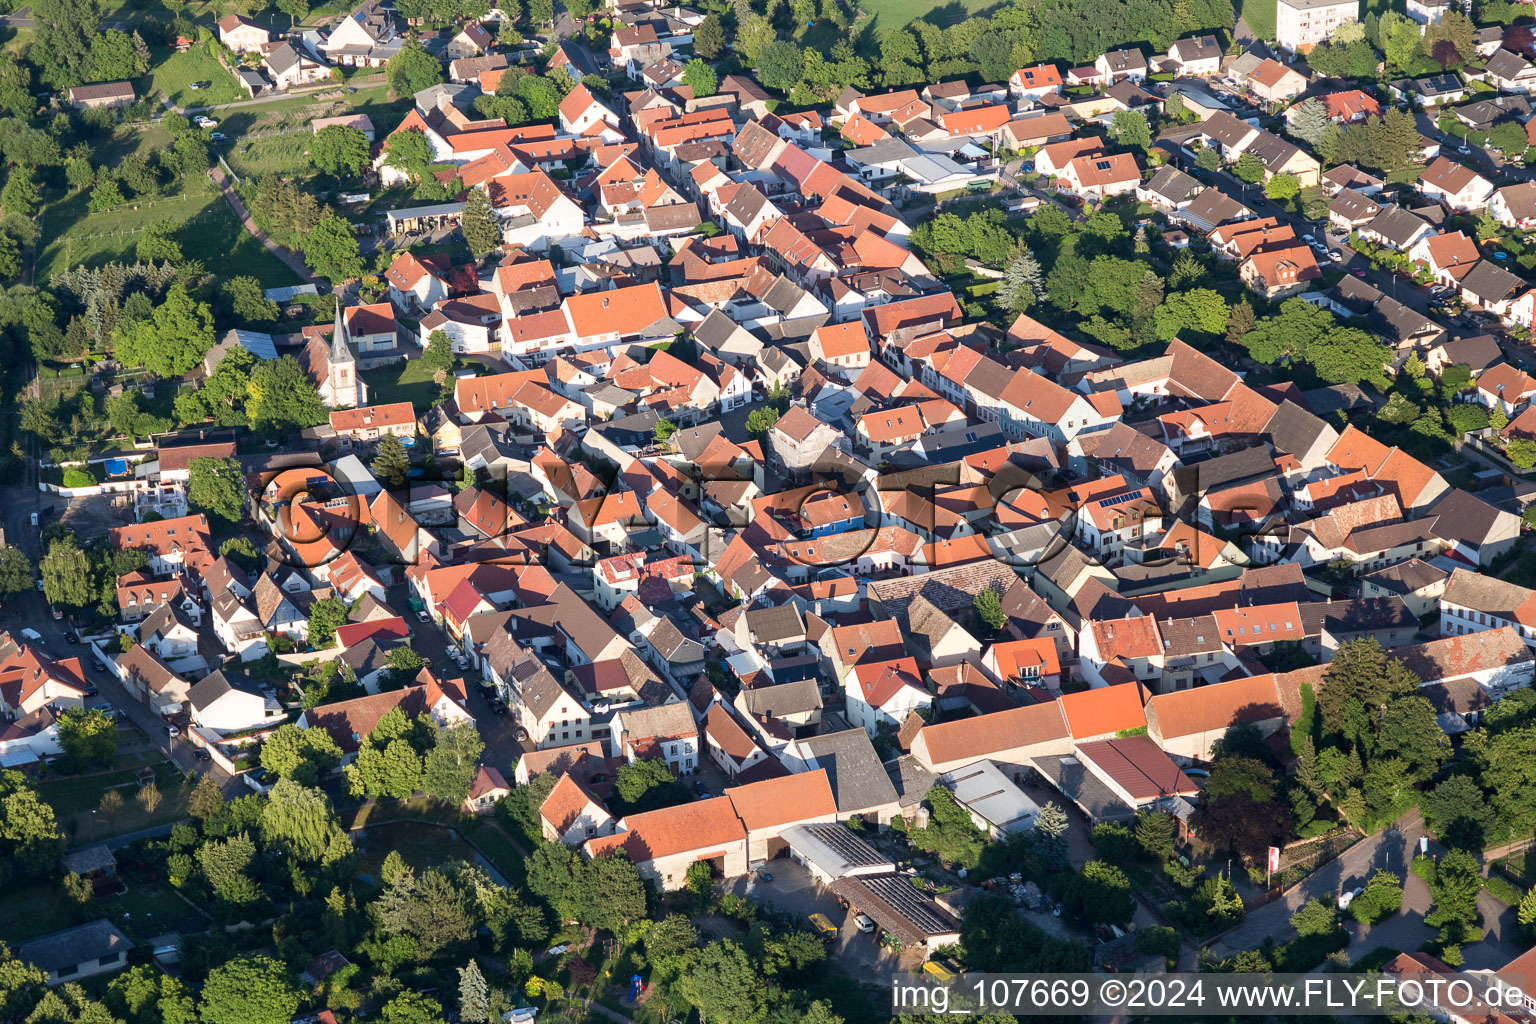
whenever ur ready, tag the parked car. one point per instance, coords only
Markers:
(217, 136)
(1335, 256)
(1357, 272)
(172, 731)
(70, 638)
(203, 755)
(864, 923)
(421, 613)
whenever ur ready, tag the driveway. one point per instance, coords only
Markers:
(794, 891)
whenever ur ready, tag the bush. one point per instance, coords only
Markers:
(1114, 842)
(1315, 917)
(1308, 951)
(1381, 898)
(1500, 888)
(1424, 868)
(78, 478)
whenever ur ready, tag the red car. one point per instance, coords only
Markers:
(1358, 273)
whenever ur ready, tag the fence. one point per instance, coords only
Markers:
(229, 172)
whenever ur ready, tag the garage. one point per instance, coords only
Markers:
(777, 848)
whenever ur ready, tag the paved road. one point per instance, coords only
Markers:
(1391, 849)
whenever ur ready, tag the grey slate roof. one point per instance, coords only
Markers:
(857, 778)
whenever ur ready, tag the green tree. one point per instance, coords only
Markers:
(1361, 671)
(391, 464)
(709, 37)
(1050, 830)
(66, 574)
(1249, 168)
(438, 355)
(412, 1008)
(541, 12)
(330, 250)
(61, 43)
(1282, 188)
(207, 799)
(299, 754)
(474, 995)
(226, 864)
(1100, 894)
(249, 990)
(1509, 138)
(609, 893)
(157, 243)
(89, 738)
(647, 784)
(481, 232)
(15, 572)
(725, 985)
(1129, 129)
(412, 70)
(326, 616)
(699, 75)
(1240, 811)
(779, 65)
(173, 339)
(1023, 283)
(1208, 160)
(988, 607)
(33, 841)
(1379, 900)
(1454, 886)
(298, 820)
(761, 420)
(217, 486)
(297, 10)
(1315, 917)
(430, 909)
(1310, 121)
(1400, 40)
(339, 150)
(450, 764)
(280, 397)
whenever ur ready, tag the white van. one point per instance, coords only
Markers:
(33, 635)
(864, 924)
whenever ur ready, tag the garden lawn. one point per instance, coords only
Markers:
(413, 383)
(74, 798)
(173, 78)
(208, 231)
(287, 155)
(500, 851)
(31, 910)
(884, 14)
(420, 845)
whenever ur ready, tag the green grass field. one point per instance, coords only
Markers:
(276, 154)
(391, 384)
(208, 232)
(173, 78)
(884, 14)
(73, 799)
(420, 845)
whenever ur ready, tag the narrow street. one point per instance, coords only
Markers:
(290, 259)
(1391, 849)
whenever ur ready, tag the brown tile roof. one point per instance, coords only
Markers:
(702, 825)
